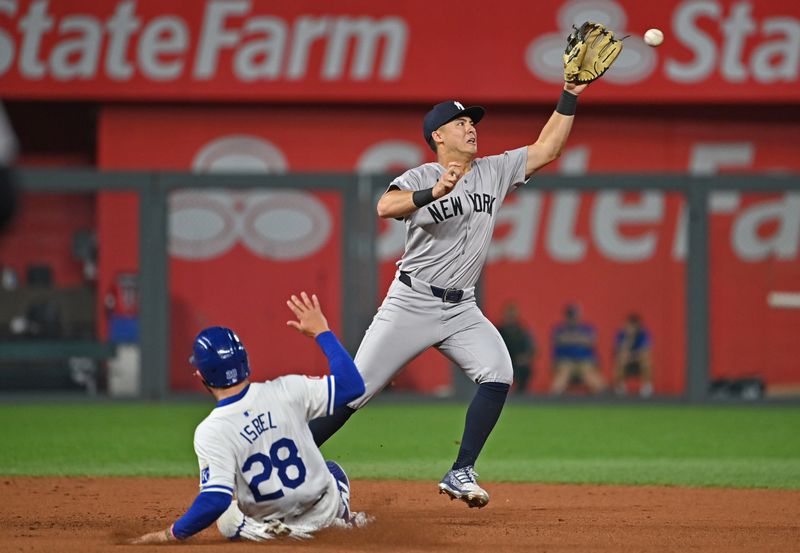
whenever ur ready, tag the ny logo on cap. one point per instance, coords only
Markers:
(459, 105)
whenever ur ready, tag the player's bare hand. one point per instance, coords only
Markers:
(161, 536)
(448, 180)
(575, 89)
(310, 320)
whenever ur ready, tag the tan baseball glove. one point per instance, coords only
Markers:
(590, 52)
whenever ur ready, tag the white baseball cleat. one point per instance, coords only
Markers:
(461, 484)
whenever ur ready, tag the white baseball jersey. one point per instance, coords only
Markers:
(258, 445)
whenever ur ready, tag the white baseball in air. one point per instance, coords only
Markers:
(653, 37)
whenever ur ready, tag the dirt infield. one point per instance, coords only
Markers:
(98, 514)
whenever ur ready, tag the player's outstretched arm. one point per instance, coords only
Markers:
(207, 507)
(554, 135)
(590, 51)
(348, 383)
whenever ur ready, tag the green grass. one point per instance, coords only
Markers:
(93, 439)
(747, 446)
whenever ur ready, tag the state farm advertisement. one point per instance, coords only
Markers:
(611, 252)
(412, 51)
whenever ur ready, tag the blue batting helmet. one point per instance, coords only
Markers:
(220, 357)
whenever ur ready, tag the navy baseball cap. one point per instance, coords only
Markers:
(446, 112)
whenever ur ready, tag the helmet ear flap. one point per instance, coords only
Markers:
(220, 357)
(198, 375)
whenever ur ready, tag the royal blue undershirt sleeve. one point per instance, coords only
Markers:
(207, 507)
(348, 383)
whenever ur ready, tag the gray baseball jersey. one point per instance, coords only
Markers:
(446, 246)
(447, 241)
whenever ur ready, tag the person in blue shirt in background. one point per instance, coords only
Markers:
(632, 357)
(574, 354)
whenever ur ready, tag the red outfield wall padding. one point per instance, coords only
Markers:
(611, 252)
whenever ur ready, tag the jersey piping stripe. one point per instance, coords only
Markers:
(330, 396)
(233, 399)
(216, 488)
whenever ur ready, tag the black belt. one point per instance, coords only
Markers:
(448, 295)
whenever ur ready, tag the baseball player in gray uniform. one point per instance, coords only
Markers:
(449, 209)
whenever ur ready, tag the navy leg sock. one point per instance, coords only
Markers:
(482, 415)
(325, 427)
